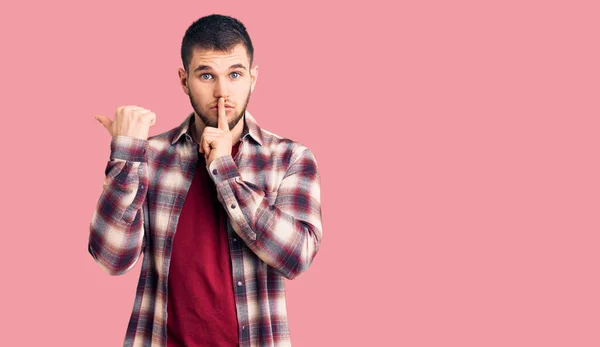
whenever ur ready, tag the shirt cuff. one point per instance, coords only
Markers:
(223, 168)
(128, 148)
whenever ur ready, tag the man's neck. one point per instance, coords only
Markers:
(198, 128)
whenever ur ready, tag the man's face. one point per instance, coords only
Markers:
(215, 74)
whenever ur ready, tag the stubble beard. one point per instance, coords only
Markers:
(214, 123)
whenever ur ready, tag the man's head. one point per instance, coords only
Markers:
(217, 57)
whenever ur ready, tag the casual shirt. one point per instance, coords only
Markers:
(271, 194)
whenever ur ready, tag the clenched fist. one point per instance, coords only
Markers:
(132, 121)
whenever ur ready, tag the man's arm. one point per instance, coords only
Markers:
(117, 235)
(117, 227)
(287, 234)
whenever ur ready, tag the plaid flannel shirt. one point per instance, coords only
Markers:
(271, 192)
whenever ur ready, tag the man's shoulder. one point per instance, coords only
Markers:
(162, 140)
(277, 145)
(165, 139)
(271, 139)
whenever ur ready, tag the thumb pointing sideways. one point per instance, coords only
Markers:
(104, 121)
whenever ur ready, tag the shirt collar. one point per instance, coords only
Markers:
(251, 127)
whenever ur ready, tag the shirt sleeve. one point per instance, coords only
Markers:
(117, 237)
(285, 234)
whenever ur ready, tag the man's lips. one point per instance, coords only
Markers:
(226, 107)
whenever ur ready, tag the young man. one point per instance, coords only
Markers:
(222, 209)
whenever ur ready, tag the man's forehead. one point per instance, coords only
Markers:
(220, 59)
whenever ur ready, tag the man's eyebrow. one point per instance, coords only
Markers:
(202, 68)
(237, 66)
(206, 67)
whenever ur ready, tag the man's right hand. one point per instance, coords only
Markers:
(132, 121)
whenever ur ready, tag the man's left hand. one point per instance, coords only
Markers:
(217, 142)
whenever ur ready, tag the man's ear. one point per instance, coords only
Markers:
(254, 77)
(183, 79)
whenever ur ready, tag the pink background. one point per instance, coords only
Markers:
(457, 142)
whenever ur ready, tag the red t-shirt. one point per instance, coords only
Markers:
(201, 307)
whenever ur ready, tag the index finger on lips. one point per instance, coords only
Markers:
(222, 114)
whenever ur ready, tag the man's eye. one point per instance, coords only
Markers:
(205, 76)
(235, 74)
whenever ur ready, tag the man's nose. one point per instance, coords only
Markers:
(222, 89)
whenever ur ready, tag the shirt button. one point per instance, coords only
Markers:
(232, 205)
(244, 327)
(239, 284)
(234, 239)
(214, 171)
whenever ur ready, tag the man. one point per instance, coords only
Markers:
(222, 209)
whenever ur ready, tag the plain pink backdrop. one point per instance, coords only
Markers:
(457, 143)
